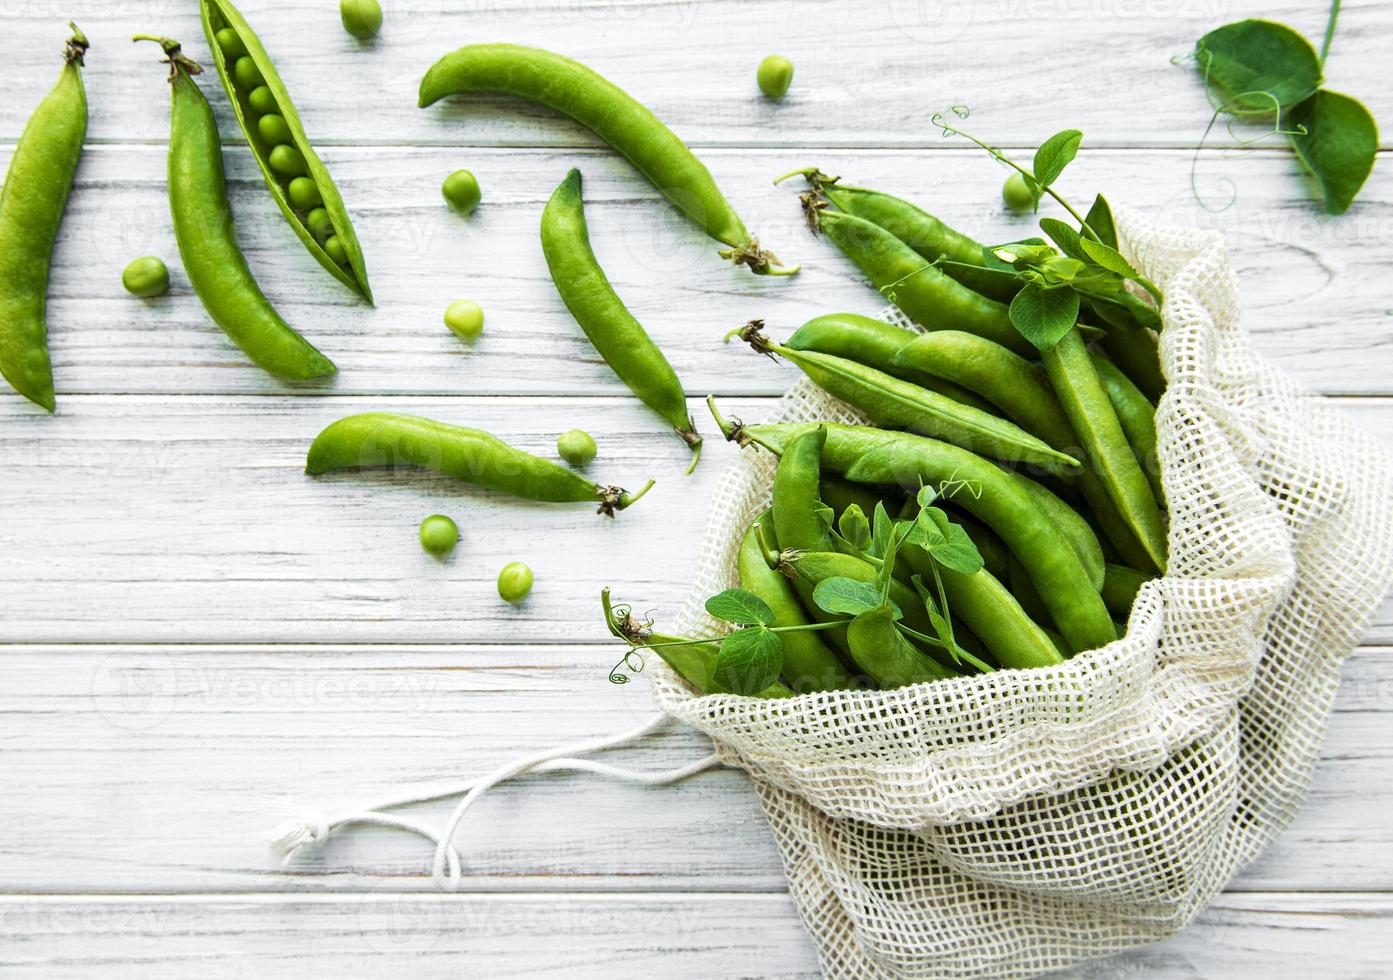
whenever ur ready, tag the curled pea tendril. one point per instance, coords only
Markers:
(632, 661)
(950, 487)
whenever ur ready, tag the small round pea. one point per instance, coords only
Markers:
(465, 318)
(335, 249)
(320, 224)
(361, 18)
(246, 73)
(261, 99)
(514, 582)
(304, 193)
(274, 129)
(439, 535)
(287, 160)
(231, 43)
(1016, 194)
(147, 276)
(462, 191)
(774, 76)
(576, 447)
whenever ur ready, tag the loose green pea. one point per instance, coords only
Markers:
(576, 447)
(262, 100)
(361, 18)
(320, 224)
(274, 129)
(146, 277)
(462, 191)
(465, 318)
(514, 582)
(775, 75)
(439, 535)
(288, 161)
(304, 193)
(231, 43)
(1016, 194)
(247, 74)
(334, 247)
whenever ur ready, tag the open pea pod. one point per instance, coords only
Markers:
(317, 215)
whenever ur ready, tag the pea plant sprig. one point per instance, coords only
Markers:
(877, 622)
(1082, 268)
(750, 658)
(1263, 71)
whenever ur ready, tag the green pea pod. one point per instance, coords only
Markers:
(886, 400)
(377, 439)
(695, 663)
(874, 343)
(1090, 413)
(1136, 351)
(31, 209)
(574, 90)
(1120, 588)
(1071, 524)
(207, 235)
(884, 654)
(809, 663)
(795, 494)
(882, 458)
(1023, 393)
(1138, 418)
(352, 271)
(926, 294)
(612, 329)
(921, 231)
(994, 616)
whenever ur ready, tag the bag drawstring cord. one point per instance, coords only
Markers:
(312, 829)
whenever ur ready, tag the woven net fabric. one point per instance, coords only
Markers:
(1014, 823)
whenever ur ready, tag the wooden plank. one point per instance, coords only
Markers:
(1281, 936)
(146, 519)
(872, 76)
(1306, 278)
(161, 768)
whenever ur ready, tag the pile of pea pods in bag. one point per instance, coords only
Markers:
(1050, 711)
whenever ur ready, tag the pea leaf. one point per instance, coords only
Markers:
(1099, 218)
(1109, 258)
(949, 543)
(926, 496)
(882, 530)
(943, 625)
(826, 514)
(739, 606)
(845, 596)
(1042, 316)
(1256, 66)
(1064, 236)
(1338, 146)
(749, 661)
(855, 528)
(1055, 154)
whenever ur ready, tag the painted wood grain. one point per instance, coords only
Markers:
(369, 936)
(161, 768)
(873, 74)
(1309, 282)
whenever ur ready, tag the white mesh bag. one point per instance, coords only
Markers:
(1015, 823)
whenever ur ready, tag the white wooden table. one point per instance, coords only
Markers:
(196, 639)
